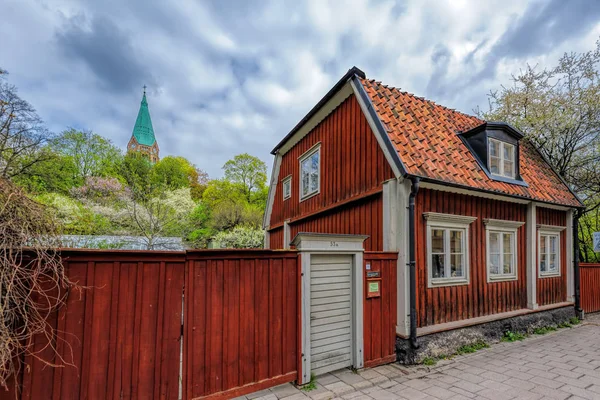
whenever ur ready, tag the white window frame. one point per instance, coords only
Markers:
(502, 227)
(501, 157)
(310, 152)
(449, 222)
(547, 231)
(286, 182)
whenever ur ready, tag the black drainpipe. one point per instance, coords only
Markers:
(578, 310)
(412, 261)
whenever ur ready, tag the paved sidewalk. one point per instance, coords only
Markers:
(559, 365)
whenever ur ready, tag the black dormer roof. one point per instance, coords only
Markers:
(477, 141)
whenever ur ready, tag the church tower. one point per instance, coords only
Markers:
(142, 139)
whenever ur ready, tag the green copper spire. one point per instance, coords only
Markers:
(143, 131)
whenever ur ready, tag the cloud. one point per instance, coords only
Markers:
(228, 78)
(106, 50)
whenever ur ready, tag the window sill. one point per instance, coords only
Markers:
(493, 279)
(549, 275)
(447, 282)
(308, 196)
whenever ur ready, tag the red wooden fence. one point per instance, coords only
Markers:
(590, 287)
(123, 333)
(380, 312)
(242, 334)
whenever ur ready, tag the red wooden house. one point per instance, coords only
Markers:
(472, 205)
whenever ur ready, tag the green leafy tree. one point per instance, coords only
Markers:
(178, 172)
(92, 154)
(558, 109)
(55, 173)
(248, 171)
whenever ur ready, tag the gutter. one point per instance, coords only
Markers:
(412, 261)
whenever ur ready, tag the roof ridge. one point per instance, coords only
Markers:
(422, 98)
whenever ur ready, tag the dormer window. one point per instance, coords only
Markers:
(495, 147)
(502, 158)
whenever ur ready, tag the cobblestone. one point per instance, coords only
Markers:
(561, 365)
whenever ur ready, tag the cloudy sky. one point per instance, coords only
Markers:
(226, 77)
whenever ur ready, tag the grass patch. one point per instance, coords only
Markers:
(510, 336)
(543, 330)
(472, 348)
(565, 325)
(429, 361)
(312, 385)
(574, 321)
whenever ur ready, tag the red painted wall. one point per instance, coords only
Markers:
(478, 298)
(380, 312)
(553, 290)
(353, 167)
(590, 284)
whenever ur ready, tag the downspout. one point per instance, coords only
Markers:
(576, 275)
(412, 261)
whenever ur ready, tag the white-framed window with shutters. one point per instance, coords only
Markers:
(502, 249)
(549, 250)
(310, 172)
(287, 187)
(502, 158)
(447, 249)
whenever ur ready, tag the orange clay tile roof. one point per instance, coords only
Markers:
(425, 136)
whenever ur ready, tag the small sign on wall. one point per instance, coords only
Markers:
(373, 288)
(597, 242)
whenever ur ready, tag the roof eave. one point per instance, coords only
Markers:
(354, 71)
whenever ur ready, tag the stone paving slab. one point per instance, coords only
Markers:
(560, 365)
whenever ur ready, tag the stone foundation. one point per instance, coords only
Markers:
(446, 343)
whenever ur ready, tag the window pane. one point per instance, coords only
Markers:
(508, 267)
(509, 169)
(507, 241)
(456, 241)
(494, 148)
(494, 264)
(437, 241)
(553, 244)
(437, 265)
(543, 263)
(553, 263)
(494, 242)
(305, 182)
(543, 244)
(494, 165)
(456, 265)
(509, 152)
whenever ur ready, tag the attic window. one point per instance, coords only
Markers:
(502, 158)
(495, 146)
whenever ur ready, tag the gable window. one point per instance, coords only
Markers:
(447, 249)
(310, 172)
(501, 242)
(549, 252)
(287, 187)
(502, 158)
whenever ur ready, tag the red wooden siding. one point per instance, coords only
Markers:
(243, 326)
(590, 287)
(478, 298)
(380, 312)
(553, 290)
(352, 166)
(122, 335)
(276, 239)
(364, 217)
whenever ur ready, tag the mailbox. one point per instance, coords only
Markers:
(373, 284)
